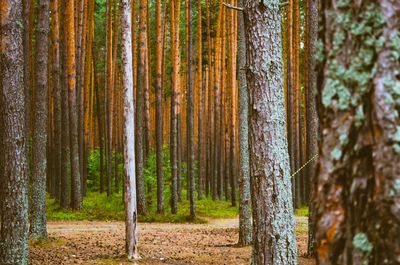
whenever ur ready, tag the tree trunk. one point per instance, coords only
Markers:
(217, 185)
(311, 111)
(175, 12)
(65, 150)
(80, 47)
(108, 94)
(28, 21)
(76, 196)
(358, 177)
(269, 158)
(290, 95)
(190, 115)
(140, 107)
(38, 228)
(201, 93)
(233, 88)
(245, 228)
(13, 158)
(131, 229)
(159, 110)
(55, 36)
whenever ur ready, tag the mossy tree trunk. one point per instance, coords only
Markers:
(358, 200)
(13, 157)
(274, 236)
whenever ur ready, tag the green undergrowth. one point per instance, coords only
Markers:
(302, 212)
(97, 206)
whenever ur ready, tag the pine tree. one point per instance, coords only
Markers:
(269, 158)
(76, 195)
(245, 228)
(38, 227)
(13, 158)
(128, 131)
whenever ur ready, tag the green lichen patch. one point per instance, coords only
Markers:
(334, 88)
(396, 186)
(396, 148)
(361, 242)
(319, 56)
(343, 3)
(349, 81)
(360, 116)
(396, 135)
(343, 138)
(336, 154)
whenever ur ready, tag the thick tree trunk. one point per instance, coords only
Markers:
(76, 195)
(245, 228)
(13, 157)
(358, 177)
(38, 228)
(311, 111)
(131, 228)
(274, 235)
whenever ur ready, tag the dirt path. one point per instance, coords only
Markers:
(103, 243)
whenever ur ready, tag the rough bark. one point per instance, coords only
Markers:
(274, 235)
(358, 199)
(311, 111)
(245, 228)
(38, 228)
(28, 19)
(13, 158)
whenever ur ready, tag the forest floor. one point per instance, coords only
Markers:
(94, 242)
